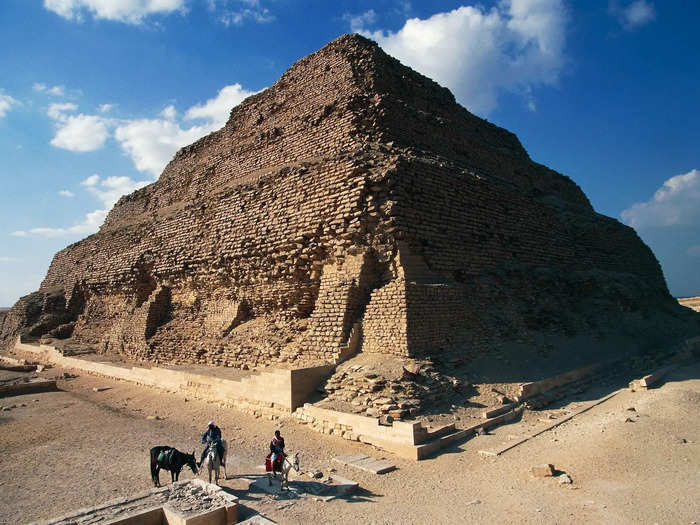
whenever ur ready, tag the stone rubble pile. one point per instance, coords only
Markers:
(363, 390)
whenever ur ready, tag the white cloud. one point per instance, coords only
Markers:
(81, 133)
(243, 10)
(57, 91)
(169, 113)
(675, 203)
(7, 259)
(694, 251)
(66, 193)
(216, 110)
(477, 53)
(151, 143)
(128, 11)
(56, 110)
(107, 191)
(104, 108)
(6, 103)
(91, 180)
(362, 21)
(110, 189)
(637, 14)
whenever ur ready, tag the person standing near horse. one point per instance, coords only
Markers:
(276, 448)
(212, 436)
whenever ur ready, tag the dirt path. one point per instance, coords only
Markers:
(65, 450)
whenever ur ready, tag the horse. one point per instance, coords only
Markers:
(284, 473)
(213, 460)
(169, 458)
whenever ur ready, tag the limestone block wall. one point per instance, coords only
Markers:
(272, 392)
(384, 326)
(436, 317)
(400, 437)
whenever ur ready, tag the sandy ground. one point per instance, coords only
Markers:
(74, 448)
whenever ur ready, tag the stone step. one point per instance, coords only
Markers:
(365, 462)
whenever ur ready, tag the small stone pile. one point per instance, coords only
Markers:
(190, 498)
(372, 392)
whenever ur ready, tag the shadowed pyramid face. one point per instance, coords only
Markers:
(352, 206)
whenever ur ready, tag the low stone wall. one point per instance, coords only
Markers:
(400, 437)
(269, 393)
(538, 387)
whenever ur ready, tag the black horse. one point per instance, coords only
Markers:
(169, 458)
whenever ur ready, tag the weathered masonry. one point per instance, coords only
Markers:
(352, 206)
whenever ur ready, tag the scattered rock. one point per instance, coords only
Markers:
(543, 471)
(474, 502)
(564, 479)
(101, 388)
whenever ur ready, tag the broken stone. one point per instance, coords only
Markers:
(543, 471)
(564, 479)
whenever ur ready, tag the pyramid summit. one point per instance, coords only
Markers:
(353, 206)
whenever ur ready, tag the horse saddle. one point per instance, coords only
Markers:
(164, 456)
(278, 462)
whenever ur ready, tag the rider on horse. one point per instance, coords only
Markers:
(212, 436)
(276, 448)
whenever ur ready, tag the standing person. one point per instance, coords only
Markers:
(276, 448)
(212, 436)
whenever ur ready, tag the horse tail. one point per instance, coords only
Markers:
(154, 459)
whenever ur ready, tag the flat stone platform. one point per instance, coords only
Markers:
(366, 463)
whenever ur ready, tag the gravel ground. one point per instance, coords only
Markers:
(75, 448)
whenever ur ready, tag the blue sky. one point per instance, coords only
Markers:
(97, 95)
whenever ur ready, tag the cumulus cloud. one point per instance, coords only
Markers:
(216, 110)
(66, 193)
(675, 203)
(104, 108)
(127, 11)
(107, 191)
(151, 143)
(169, 112)
(6, 103)
(58, 110)
(636, 14)
(477, 53)
(92, 180)
(81, 133)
